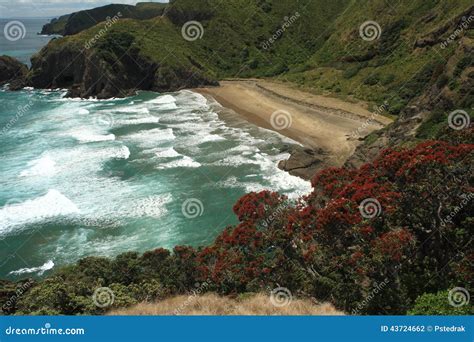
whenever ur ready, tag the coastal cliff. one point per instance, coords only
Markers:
(12, 72)
(358, 230)
(116, 68)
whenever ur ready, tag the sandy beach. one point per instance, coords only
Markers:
(313, 120)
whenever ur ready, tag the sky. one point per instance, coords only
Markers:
(53, 8)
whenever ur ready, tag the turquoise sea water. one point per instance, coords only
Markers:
(88, 177)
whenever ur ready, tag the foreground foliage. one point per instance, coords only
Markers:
(415, 239)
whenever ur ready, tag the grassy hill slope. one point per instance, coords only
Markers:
(78, 21)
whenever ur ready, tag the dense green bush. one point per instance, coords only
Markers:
(465, 62)
(438, 304)
(372, 79)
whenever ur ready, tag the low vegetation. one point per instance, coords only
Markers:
(357, 241)
(212, 304)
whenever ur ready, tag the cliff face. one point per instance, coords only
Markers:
(87, 74)
(13, 72)
(110, 70)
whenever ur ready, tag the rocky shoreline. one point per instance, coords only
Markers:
(87, 77)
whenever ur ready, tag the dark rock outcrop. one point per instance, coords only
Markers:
(90, 75)
(108, 70)
(304, 162)
(13, 72)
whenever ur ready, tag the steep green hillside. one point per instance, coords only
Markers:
(315, 44)
(399, 65)
(112, 60)
(82, 20)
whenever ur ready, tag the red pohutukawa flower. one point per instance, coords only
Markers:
(323, 245)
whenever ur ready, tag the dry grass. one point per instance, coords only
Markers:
(211, 304)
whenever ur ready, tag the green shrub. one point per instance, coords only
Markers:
(442, 81)
(438, 304)
(465, 62)
(430, 128)
(372, 79)
(387, 79)
(353, 70)
(396, 105)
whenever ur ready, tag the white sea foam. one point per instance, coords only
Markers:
(167, 153)
(186, 162)
(50, 205)
(86, 136)
(237, 160)
(43, 166)
(163, 99)
(152, 137)
(132, 110)
(38, 270)
(195, 99)
(123, 153)
(83, 111)
(137, 121)
(151, 206)
(166, 106)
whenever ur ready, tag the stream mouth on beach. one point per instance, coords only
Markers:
(88, 177)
